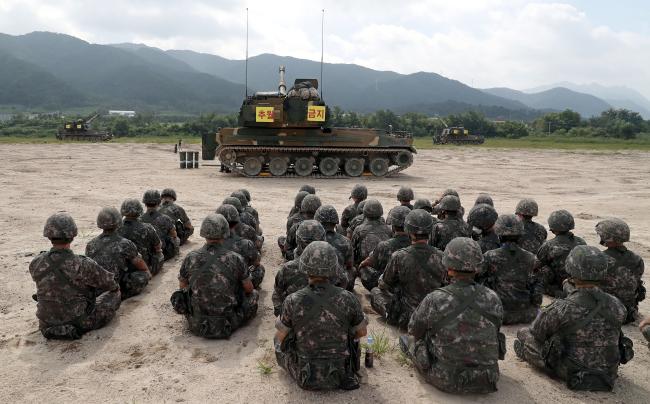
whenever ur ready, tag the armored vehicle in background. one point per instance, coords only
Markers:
(457, 135)
(80, 130)
(285, 134)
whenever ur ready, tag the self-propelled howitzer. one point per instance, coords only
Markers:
(284, 133)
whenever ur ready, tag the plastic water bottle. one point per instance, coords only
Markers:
(369, 360)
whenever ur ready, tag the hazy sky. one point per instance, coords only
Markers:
(484, 43)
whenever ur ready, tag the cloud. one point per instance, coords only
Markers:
(484, 43)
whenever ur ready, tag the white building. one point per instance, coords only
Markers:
(128, 114)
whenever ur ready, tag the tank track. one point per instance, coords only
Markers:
(291, 150)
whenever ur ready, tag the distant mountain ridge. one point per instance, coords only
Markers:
(48, 70)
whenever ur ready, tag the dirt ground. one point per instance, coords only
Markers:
(147, 355)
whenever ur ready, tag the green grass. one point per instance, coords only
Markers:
(264, 368)
(381, 344)
(403, 360)
(534, 142)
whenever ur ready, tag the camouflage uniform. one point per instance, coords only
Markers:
(623, 278)
(373, 267)
(482, 218)
(509, 271)
(146, 239)
(404, 196)
(451, 226)
(411, 274)
(328, 217)
(535, 234)
(577, 338)
(308, 208)
(242, 246)
(296, 205)
(290, 278)
(456, 343)
(320, 319)
(247, 206)
(115, 254)
(552, 253)
(436, 204)
(177, 214)
(74, 294)
(218, 304)
(370, 233)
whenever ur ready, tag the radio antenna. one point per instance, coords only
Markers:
(246, 68)
(322, 25)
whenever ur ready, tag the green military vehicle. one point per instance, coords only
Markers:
(79, 129)
(457, 135)
(286, 134)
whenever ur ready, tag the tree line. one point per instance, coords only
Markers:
(613, 123)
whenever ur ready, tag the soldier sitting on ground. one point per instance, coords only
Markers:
(359, 194)
(250, 209)
(509, 271)
(455, 341)
(436, 208)
(242, 229)
(242, 246)
(371, 268)
(216, 293)
(163, 224)
(424, 204)
(535, 234)
(289, 278)
(74, 294)
(484, 198)
(308, 190)
(482, 218)
(118, 255)
(308, 209)
(319, 325)
(143, 235)
(552, 253)
(371, 232)
(411, 273)
(356, 221)
(327, 216)
(451, 224)
(623, 279)
(404, 196)
(182, 222)
(579, 339)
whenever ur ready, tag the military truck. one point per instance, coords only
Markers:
(79, 129)
(457, 135)
(287, 134)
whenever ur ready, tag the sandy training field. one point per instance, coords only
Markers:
(147, 355)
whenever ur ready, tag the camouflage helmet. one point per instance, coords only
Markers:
(242, 198)
(463, 254)
(215, 226)
(310, 204)
(327, 214)
(308, 188)
(359, 192)
(151, 197)
(614, 230)
(372, 209)
(299, 197)
(360, 207)
(405, 194)
(449, 203)
(398, 214)
(229, 212)
(109, 218)
(60, 226)
(484, 198)
(449, 191)
(318, 259)
(418, 221)
(246, 194)
(586, 263)
(131, 208)
(231, 200)
(168, 193)
(308, 231)
(561, 220)
(423, 204)
(527, 207)
(509, 225)
(482, 216)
